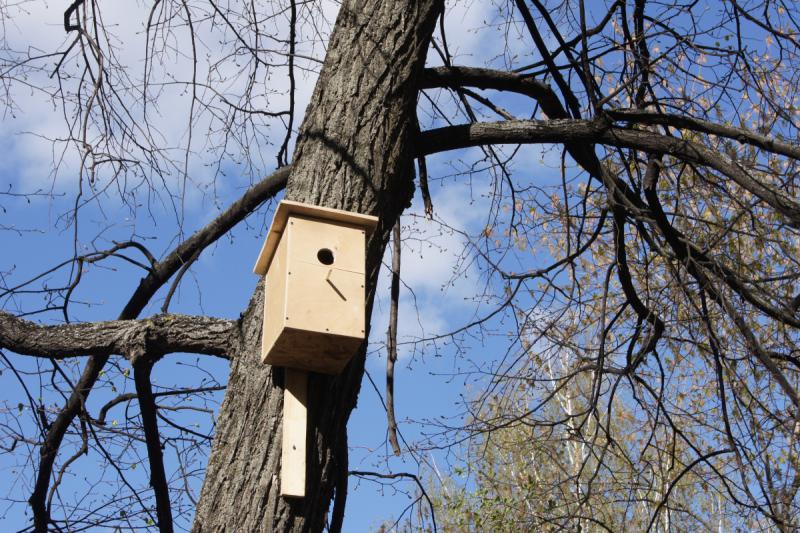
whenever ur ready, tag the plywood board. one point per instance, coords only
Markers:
(287, 208)
(325, 300)
(314, 352)
(346, 244)
(314, 316)
(275, 299)
(295, 426)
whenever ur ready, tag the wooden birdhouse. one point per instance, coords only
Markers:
(314, 262)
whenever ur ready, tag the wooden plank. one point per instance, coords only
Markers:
(287, 207)
(275, 299)
(325, 300)
(311, 351)
(327, 213)
(345, 242)
(295, 426)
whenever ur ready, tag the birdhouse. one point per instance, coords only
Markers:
(314, 262)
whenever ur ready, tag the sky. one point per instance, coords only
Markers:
(439, 286)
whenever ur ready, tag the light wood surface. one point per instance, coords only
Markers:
(346, 242)
(326, 300)
(314, 262)
(314, 352)
(314, 317)
(287, 208)
(275, 300)
(295, 425)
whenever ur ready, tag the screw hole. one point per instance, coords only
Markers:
(325, 256)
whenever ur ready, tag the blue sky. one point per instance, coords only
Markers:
(220, 284)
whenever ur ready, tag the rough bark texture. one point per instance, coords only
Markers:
(353, 152)
(154, 336)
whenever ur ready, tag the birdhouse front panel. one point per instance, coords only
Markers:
(314, 310)
(327, 243)
(326, 278)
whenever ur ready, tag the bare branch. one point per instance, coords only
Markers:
(600, 131)
(741, 135)
(391, 340)
(160, 335)
(155, 455)
(148, 286)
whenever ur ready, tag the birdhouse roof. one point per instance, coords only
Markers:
(289, 208)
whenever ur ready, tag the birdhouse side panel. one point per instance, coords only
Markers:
(275, 298)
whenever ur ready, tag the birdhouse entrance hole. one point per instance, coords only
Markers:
(325, 256)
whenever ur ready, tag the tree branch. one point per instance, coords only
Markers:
(602, 132)
(391, 338)
(160, 334)
(498, 80)
(249, 202)
(740, 135)
(155, 456)
(400, 475)
(148, 286)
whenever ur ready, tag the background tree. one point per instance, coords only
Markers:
(550, 478)
(651, 279)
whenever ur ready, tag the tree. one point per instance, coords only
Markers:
(664, 255)
(539, 478)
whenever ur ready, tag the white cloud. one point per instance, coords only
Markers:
(478, 34)
(438, 286)
(37, 118)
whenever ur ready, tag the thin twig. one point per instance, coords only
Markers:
(398, 475)
(391, 344)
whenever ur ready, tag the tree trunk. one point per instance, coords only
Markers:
(353, 152)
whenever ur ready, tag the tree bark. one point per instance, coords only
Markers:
(354, 152)
(155, 336)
